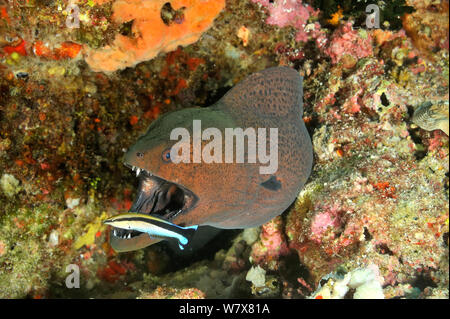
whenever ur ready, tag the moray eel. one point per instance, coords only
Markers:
(223, 195)
(431, 116)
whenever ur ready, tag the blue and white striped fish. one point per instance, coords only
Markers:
(155, 227)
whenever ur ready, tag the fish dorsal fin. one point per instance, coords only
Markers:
(273, 92)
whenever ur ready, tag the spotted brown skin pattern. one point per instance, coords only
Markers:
(227, 195)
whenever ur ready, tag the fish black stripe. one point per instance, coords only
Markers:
(169, 226)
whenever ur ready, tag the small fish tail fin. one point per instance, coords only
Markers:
(194, 227)
(187, 233)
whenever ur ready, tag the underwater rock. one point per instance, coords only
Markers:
(9, 184)
(271, 244)
(250, 235)
(293, 13)
(262, 286)
(428, 26)
(346, 41)
(257, 276)
(72, 202)
(365, 283)
(53, 239)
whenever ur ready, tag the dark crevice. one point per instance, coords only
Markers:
(126, 29)
(445, 239)
(349, 294)
(181, 259)
(414, 133)
(384, 249)
(215, 95)
(169, 15)
(384, 100)
(423, 280)
(367, 235)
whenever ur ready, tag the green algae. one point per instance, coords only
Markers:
(9, 185)
(25, 266)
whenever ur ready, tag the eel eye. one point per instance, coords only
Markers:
(166, 155)
(139, 154)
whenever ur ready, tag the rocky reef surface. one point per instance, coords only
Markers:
(80, 81)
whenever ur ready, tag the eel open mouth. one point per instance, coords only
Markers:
(155, 196)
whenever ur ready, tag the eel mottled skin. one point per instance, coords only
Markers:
(235, 195)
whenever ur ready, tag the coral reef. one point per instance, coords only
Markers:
(347, 43)
(360, 283)
(151, 34)
(296, 14)
(271, 245)
(428, 26)
(292, 13)
(372, 221)
(390, 12)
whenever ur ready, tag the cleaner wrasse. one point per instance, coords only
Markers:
(157, 228)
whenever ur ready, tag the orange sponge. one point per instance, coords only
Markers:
(156, 27)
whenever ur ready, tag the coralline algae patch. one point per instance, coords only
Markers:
(271, 246)
(347, 43)
(293, 13)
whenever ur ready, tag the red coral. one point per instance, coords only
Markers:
(324, 220)
(114, 270)
(19, 48)
(66, 50)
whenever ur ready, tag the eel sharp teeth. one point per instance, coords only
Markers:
(137, 172)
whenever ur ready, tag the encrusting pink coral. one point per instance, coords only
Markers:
(324, 220)
(292, 13)
(152, 34)
(347, 41)
(271, 245)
